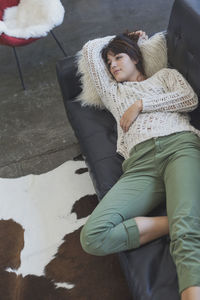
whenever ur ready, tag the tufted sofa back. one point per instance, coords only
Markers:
(183, 40)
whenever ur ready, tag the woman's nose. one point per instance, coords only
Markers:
(113, 64)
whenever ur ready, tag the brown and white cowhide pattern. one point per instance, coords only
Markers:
(40, 256)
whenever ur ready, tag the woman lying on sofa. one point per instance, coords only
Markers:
(162, 159)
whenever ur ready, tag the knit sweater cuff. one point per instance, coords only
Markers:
(146, 105)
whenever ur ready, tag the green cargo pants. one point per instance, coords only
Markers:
(159, 169)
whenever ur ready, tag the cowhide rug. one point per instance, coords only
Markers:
(40, 256)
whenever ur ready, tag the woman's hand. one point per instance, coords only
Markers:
(142, 34)
(130, 115)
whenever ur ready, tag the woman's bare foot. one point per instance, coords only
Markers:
(151, 228)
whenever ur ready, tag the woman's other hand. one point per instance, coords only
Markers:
(142, 34)
(130, 115)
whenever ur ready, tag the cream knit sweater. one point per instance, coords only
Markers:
(166, 96)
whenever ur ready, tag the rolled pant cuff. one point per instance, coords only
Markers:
(132, 233)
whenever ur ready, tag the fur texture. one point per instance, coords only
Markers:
(32, 18)
(41, 256)
(154, 51)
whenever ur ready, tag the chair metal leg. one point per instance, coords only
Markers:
(19, 69)
(59, 44)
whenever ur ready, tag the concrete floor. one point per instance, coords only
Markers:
(35, 135)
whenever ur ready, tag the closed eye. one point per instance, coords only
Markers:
(117, 57)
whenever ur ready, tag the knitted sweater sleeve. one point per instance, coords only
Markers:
(179, 96)
(97, 69)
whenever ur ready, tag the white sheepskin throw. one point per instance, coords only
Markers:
(32, 18)
(154, 51)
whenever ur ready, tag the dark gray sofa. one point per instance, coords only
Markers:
(149, 270)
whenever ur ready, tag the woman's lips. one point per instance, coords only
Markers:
(117, 71)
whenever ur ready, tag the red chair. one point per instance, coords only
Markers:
(15, 41)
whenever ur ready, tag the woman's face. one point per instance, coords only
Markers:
(122, 67)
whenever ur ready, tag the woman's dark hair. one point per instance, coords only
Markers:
(125, 43)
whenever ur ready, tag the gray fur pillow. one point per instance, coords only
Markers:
(154, 51)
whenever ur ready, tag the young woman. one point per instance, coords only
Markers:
(162, 159)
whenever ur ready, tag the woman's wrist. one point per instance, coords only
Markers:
(139, 105)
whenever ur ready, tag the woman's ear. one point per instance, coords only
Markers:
(135, 61)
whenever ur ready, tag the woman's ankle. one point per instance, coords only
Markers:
(191, 293)
(151, 228)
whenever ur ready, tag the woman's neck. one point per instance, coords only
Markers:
(138, 77)
(141, 77)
